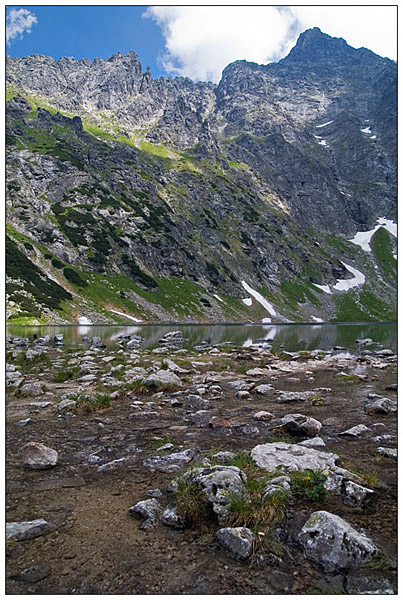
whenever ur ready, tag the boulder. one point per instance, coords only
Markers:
(196, 402)
(38, 456)
(264, 389)
(217, 422)
(171, 462)
(26, 530)
(291, 457)
(32, 389)
(357, 495)
(171, 518)
(67, 405)
(148, 510)
(223, 457)
(387, 452)
(355, 431)
(332, 542)
(297, 424)
(163, 379)
(278, 484)
(237, 541)
(263, 415)
(217, 483)
(380, 405)
(315, 442)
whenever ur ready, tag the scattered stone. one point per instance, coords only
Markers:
(257, 372)
(355, 431)
(171, 518)
(315, 442)
(264, 389)
(157, 493)
(242, 394)
(380, 405)
(31, 389)
(357, 495)
(356, 585)
(165, 447)
(67, 405)
(238, 384)
(26, 530)
(291, 457)
(198, 403)
(38, 456)
(97, 343)
(24, 422)
(391, 386)
(263, 415)
(387, 452)
(36, 405)
(333, 543)
(113, 465)
(223, 457)
(297, 424)
(171, 462)
(297, 396)
(149, 510)
(385, 352)
(278, 484)
(237, 541)
(218, 482)
(32, 574)
(162, 379)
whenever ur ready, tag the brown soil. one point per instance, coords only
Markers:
(96, 547)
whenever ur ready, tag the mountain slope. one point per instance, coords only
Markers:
(158, 199)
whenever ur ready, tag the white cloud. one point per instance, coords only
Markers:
(19, 22)
(202, 40)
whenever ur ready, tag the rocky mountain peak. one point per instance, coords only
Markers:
(314, 45)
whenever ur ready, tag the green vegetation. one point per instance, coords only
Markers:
(309, 483)
(137, 274)
(66, 374)
(43, 291)
(382, 248)
(362, 305)
(191, 502)
(74, 277)
(91, 404)
(299, 291)
(347, 378)
(57, 263)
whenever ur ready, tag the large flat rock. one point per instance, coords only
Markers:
(292, 457)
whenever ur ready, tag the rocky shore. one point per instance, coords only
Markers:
(207, 471)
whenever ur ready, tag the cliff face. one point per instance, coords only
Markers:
(157, 198)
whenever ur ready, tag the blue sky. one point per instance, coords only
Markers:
(193, 41)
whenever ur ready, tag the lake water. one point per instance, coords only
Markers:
(291, 336)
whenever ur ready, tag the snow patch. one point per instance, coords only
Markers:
(127, 316)
(316, 319)
(343, 285)
(372, 137)
(366, 130)
(247, 343)
(325, 288)
(269, 307)
(84, 321)
(247, 301)
(324, 124)
(218, 297)
(363, 238)
(266, 320)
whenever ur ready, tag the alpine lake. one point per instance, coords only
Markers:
(114, 431)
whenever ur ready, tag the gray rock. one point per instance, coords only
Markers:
(380, 405)
(32, 389)
(238, 384)
(333, 543)
(26, 530)
(66, 405)
(275, 485)
(149, 510)
(223, 457)
(257, 372)
(263, 415)
(387, 452)
(356, 585)
(162, 379)
(113, 464)
(24, 422)
(316, 442)
(237, 541)
(242, 394)
(291, 457)
(97, 343)
(357, 495)
(32, 574)
(296, 396)
(38, 456)
(132, 344)
(297, 424)
(217, 483)
(385, 352)
(58, 338)
(156, 493)
(171, 518)
(171, 462)
(264, 389)
(198, 403)
(355, 431)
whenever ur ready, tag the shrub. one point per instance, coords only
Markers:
(74, 277)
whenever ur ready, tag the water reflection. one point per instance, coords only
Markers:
(291, 337)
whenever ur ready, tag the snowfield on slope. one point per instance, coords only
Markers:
(265, 303)
(363, 238)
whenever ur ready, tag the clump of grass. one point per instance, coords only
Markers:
(279, 435)
(65, 374)
(191, 503)
(248, 510)
(345, 378)
(370, 478)
(91, 404)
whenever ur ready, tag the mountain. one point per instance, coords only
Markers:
(131, 199)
